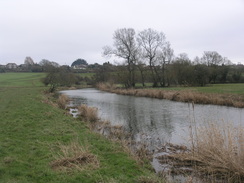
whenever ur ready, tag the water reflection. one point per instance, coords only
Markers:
(150, 120)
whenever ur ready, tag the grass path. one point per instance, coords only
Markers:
(30, 134)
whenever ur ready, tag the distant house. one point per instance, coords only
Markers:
(11, 66)
(2, 66)
(81, 66)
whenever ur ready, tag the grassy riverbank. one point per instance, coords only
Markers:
(37, 138)
(228, 95)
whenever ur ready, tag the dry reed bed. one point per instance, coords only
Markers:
(89, 114)
(181, 96)
(217, 150)
(62, 101)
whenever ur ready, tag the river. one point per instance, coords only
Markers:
(156, 120)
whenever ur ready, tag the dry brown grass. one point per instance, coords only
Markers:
(105, 86)
(89, 114)
(217, 150)
(62, 101)
(181, 96)
(146, 179)
(74, 157)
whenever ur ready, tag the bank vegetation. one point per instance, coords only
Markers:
(215, 153)
(181, 96)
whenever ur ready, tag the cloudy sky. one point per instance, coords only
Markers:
(64, 30)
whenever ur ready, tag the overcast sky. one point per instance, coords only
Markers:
(65, 30)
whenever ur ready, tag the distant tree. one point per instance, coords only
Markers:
(125, 47)
(142, 69)
(59, 77)
(29, 61)
(201, 74)
(212, 58)
(79, 62)
(103, 72)
(196, 61)
(36, 68)
(152, 43)
(183, 70)
(48, 66)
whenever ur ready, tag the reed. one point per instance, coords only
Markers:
(89, 114)
(105, 86)
(217, 150)
(62, 101)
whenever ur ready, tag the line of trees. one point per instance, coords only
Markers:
(148, 57)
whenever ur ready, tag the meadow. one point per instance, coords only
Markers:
(37, 138)
(233, 88)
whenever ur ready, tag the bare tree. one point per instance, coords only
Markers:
(152, 43)
(125, 47)
(211, 58)
(29, 61)
(165, 57)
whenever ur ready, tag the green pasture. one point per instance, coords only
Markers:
(21, 79)
(235, 88)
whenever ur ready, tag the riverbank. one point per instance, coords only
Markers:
(41, 143)
(215, 150)
(225, 99)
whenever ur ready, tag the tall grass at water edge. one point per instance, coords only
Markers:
(89, 114)
(217, 150)
(181, 96)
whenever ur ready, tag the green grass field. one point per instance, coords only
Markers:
(32, 130)
(235, 88)
(20, 79)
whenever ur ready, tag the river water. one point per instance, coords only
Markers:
(159, 121)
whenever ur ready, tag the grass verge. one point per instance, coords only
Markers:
(34, 135)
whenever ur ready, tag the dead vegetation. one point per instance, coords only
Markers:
(74, 157)
(145, 179)
(181, 96)
(89, 114)
(62, 101)
(217, 151)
